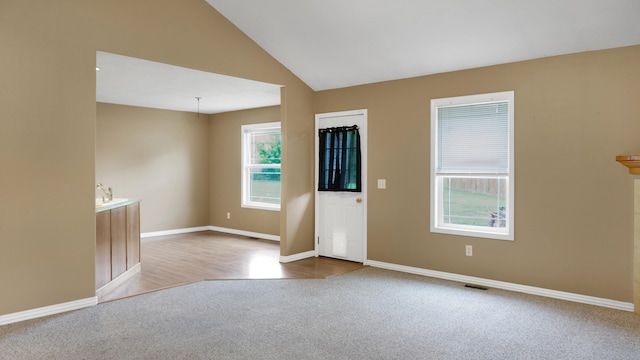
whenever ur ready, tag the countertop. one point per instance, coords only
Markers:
(116, 203)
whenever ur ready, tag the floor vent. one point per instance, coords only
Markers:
(477, 287)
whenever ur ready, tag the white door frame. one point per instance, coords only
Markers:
(363, 148)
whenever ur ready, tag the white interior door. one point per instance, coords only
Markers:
(340, 217)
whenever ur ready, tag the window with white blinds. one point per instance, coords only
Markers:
(472, 165)
(261, 157)
(474, 137)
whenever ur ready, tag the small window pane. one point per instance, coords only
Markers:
(264, 185)
(474, 137)
(265, 147)
(474, 201)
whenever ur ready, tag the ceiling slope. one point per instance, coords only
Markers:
(336, 43)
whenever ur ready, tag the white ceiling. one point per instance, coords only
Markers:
(130, 81)
(338, 43)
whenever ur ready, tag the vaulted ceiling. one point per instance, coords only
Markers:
(338, 43)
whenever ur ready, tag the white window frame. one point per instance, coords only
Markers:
(247, 130)
(437, 223)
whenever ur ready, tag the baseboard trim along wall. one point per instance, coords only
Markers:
(210, 228)
(245, 233)
(173, 232)
(584, 299)
(47, 310)
(296, 257)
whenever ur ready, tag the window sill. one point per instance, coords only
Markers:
(261, 207)
(473, 233)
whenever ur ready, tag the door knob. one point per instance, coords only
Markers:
(359, 200)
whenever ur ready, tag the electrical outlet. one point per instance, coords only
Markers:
(469, 250)
(228, 215)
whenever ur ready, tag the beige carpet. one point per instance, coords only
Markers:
(365, 314)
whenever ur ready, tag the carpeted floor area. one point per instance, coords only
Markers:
(364, 314)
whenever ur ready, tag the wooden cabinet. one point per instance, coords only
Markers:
(133, 235)
(117, 241)
(103, 248)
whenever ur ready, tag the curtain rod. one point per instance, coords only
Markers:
(339, 128)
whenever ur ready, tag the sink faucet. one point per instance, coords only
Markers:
(107, 191)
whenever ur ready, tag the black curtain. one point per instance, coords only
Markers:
(339, 159)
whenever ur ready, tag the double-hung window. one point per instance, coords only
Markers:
(472, 182)
(261, 149)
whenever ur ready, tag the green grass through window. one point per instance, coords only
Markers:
(468, 208)
(266, 191)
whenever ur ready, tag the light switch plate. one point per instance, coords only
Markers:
(382, 183)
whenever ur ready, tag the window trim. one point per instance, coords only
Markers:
(245, 191)
(435, 190)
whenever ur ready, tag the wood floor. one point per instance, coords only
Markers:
(174, 260)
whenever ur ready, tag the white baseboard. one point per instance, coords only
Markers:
(47, 310)
(210, 228)
(584, 299)
(173, 231)
(245, 233)
(296, 257)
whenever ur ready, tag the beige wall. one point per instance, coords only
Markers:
(185, 167)
(573, 202)
(159, 156)
(48, 126)
(47, 141)
(296, 214)
(225, 172)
